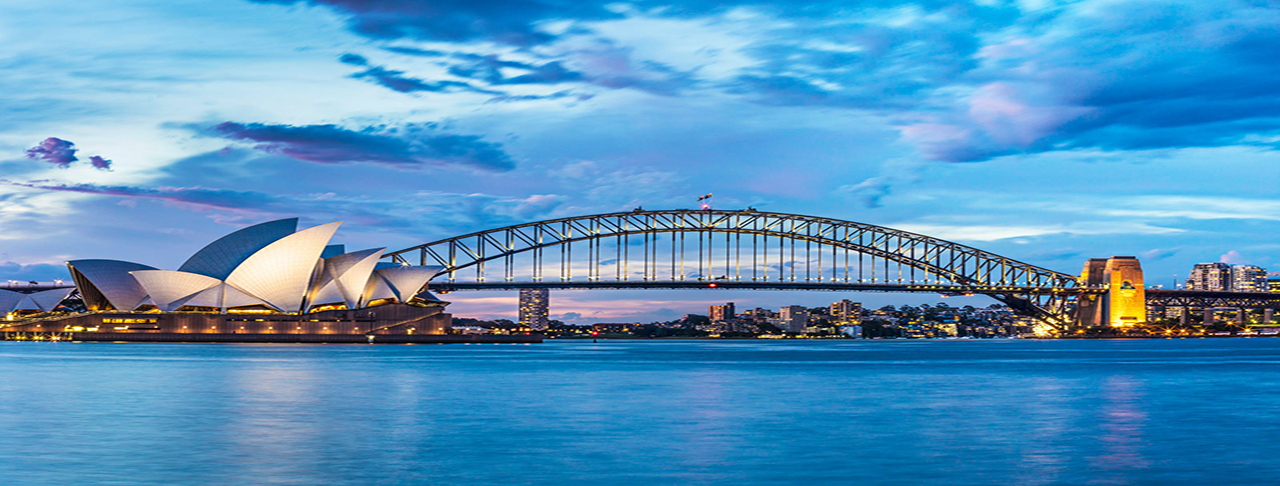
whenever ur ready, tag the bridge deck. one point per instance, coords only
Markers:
(756, 285)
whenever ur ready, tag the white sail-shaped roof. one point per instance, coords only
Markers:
(406, 281)
(377, 289)
(47, 300)
(111, 279)
(328, 293)
(233, 297)
(351, 273)
(281, 272)
(223, 256)
(171, 289)
(210, 297)
(9, 301)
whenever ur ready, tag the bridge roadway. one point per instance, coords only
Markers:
(948, 290)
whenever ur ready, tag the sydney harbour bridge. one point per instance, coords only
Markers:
(750, 249)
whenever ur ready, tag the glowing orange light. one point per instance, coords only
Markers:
(712, 286)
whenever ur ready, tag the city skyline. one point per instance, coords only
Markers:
(1047, 133)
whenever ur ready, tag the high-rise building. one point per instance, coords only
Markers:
(1248, 278)
(793, 318)
(1273, 284)
(533, 308)
(721, 313)
(846, 313)
(1210, 276)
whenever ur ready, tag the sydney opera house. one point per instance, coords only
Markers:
(264, 283)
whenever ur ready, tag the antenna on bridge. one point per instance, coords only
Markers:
(707, 198)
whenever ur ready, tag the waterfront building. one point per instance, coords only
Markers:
(534, 308)
(846, 313)
(1249, 278)
(851, 331)
(1273, 284)
(1210, 276)
(793, 318)
(267, 282)
(721, 313)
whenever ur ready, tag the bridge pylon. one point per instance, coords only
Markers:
(1123, 304)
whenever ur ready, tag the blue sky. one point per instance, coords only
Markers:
(1049, 132)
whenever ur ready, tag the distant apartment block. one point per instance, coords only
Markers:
(533, 308)
(1249, 278)
(1210, 276)
(721, 313)
(846, 313)
(793, 318)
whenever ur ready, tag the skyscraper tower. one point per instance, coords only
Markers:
(533, 308)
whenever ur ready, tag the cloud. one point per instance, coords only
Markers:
(1000, 232)
(10, 270)
(871, 191)
(489, 68)
(962, 81)
(100, 163)
(405, 147)
(199, 196)
(1157, 254)
(459, 20)
(1232, 257)
(397, 81)
(55, 151)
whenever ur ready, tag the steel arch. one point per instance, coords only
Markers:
(1033, 290)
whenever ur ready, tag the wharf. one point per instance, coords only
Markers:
(270, 338)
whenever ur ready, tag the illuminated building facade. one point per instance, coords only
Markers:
(534, 306)
(721, 313)
(1124, 303)
(846, 312)
(1210, 276)
(1249, 278)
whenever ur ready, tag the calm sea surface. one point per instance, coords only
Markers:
(1194, 412)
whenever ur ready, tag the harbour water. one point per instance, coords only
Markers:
(1168, 412)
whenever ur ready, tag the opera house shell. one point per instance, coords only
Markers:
(264, 280)
(265, 268)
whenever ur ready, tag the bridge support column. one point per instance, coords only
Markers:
(1186, 316)
(1267, 316)
(1240, 316)
(1208, 316)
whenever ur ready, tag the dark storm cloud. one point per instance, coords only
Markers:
(55, 151)
(411, 146)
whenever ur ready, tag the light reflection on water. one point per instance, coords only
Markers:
(643, 412)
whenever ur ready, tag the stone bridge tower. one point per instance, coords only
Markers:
(1125, 302)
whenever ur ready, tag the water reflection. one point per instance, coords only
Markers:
(1122, 420)
(625, 412)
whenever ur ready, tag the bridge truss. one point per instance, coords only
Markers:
(1201, 299)
(745, 249)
